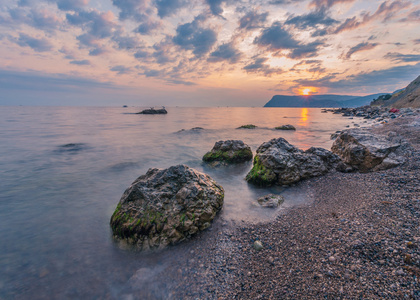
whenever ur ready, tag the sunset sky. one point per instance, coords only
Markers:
(203, 52)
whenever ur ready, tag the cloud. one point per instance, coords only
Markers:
(148, 26)
(191, 36)
(328, 3)
(226, 52)
(305, 50)
(38, 45)
(390, 76)
(215, 6)
(98, 24)
(276, 38)
(385, 12)
(133, 9)
(360, 47)
(169, 7)
(38, 18)
(83, 62)
(414, 16)
(259, 66)
(417, 41)
(403, 57)
(67, 5)
(121, 69)
(253, 20)
(313, 19)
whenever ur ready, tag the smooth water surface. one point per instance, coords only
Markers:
(64, 169)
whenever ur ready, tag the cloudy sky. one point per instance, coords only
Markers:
(203, 52)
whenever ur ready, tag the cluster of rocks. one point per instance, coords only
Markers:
(282, 127)
(164, 207)
(379, 114)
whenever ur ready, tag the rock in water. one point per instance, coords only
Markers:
(164, 207)
(365, 151)
(279, 163)
(286, 127)
(231, 151)
(271, 200)
(153, 111)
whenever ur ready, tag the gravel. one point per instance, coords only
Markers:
(358, 238)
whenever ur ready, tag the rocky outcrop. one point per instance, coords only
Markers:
(248, 126)
(286, 127)
(279, 163)
(230, 151)
(365, 151)
(164, 207)
(153, 111)
(271, 200)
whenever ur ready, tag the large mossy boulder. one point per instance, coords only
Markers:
(165, 207)
(366, 151)
(228, 152)
(279, 163)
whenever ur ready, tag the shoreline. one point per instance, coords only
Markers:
(359, 238)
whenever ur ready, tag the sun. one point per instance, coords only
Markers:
(306, 92)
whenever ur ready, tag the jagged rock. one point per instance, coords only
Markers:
(164, 207)
(271, 200)
(153, 111)
(366, 151)
(286, 127)
(279, 163)
(230, 151)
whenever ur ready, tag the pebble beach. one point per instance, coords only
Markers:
(358, 238)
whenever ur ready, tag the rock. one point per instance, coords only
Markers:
(230, 151)
(248, 126)
(164, 207)
(258, 245)
(279, 163)
(271, 200)
(286, 127)
(153, 111)
(366, 152)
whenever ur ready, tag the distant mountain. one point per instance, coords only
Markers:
(321, 101)
(408, 97)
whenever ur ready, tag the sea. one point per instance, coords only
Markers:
(64, 169)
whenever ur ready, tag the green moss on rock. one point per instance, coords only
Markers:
(260, 175)
(248, 126)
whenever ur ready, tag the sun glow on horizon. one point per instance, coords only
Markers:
(307, 90)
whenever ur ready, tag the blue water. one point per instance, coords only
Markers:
(64, 169)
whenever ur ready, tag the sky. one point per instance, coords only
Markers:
(203, 52)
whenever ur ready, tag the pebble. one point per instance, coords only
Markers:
(258, 245)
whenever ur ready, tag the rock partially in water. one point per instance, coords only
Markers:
(165, 207)
(153, 111)
(366, 152)
(286, 127)
(248, 126)
(271, 200)
(279, 163)
(230, 151)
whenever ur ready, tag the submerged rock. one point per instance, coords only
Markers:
(286, 127)
(279, 163)
(271, 200)
(365, 151)
(164, 207)
(230, 151)
(248, 126)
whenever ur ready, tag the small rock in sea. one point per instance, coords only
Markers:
(248, 126)
(271, 200)
(229, 152)
(258, 245)
(286, 127)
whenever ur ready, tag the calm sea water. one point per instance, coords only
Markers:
(64, 169)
